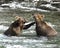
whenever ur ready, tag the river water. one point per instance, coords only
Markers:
(28, 38)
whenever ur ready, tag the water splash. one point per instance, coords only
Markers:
(2, 27)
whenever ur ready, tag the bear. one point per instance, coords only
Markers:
(15, 28)
(42, 27)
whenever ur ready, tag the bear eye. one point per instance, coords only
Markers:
(41, 16)
(23, 21)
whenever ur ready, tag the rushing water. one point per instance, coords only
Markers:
(28, 38)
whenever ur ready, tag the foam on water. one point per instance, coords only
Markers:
(2, 27)
(2, 36)
(50, 24)
(28, 46)
(15, 46)
(25, 41)
(14, 5)
(48, 5)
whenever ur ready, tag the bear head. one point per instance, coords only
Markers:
(38, 17)
(20, 19)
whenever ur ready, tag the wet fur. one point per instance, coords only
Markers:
(15, 29)
(42, 28)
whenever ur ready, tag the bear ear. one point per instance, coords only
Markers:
(43, 15)
(25, 20)
(17, 17)
(35, 15)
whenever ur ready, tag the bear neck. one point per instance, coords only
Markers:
(39, 23)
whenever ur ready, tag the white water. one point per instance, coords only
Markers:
(2, 27)
(25, 41)
(15, 5)
(52, 7)
(25, 6)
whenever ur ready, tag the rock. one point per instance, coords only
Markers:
(46, 8)
(1, 2)
(56, 0)
(56, 5)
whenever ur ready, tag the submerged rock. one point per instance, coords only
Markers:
(56, 0)
(56, 5)
(1, 2)
(48, 7)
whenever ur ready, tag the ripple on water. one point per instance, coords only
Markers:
(25, 41)
(15, 46)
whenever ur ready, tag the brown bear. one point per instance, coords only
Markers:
(42, 28)
(17, 26)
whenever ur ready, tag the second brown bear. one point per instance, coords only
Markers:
(42, 28)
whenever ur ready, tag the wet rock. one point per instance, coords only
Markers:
(56, 5)
(46, 8)
(44, 2)
(41, 2)
(2, 1)
(5, 6)
(56, 0)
